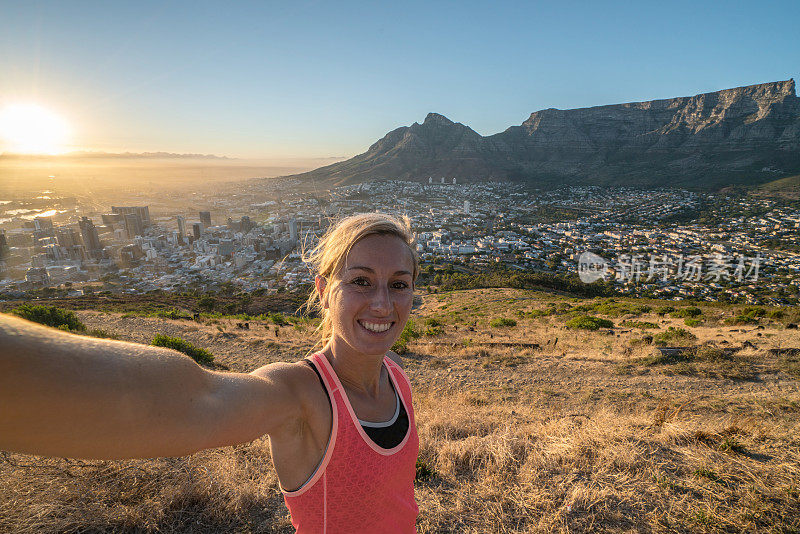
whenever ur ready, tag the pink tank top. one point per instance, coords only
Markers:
(359, 486)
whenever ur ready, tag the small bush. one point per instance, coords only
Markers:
(538, 313)
(588, 322)
(50, 316)
(173, 313)
(776, 314)
(673, 335)
(424, 472)
(432, 331)
(754, 311)
(277, 318)
(639, 324)
(501, 322)
(401, 345)
(692, 322)
(741, 319)
(660, 358)
(96, 332)
(691, 311)
(207, 302)
(433, 321)
(199, 355)
(663, 310)
(710, 353)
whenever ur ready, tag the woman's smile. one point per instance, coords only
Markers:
(376, 327)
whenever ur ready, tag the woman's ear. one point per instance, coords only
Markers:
(320, 284)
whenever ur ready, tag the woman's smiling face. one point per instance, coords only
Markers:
(370, 298)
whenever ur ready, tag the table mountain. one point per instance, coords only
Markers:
(745, 135)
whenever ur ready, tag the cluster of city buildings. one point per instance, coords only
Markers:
(473, 226)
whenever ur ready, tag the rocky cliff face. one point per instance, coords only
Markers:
(743, 135)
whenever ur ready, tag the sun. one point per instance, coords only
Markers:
(32, 129)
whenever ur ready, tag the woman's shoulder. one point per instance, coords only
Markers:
(299, 376)
(393, 356)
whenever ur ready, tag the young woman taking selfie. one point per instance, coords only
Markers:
(340, 422)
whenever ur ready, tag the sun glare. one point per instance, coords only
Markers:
(32, 129)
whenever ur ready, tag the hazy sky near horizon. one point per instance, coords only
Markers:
(318, 79)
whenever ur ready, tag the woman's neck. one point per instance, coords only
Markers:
(358, 372)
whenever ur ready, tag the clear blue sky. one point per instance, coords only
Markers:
(307, 78)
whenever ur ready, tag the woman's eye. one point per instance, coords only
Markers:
(399, 285)
(361, 282)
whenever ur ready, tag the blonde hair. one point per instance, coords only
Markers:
(328, 257)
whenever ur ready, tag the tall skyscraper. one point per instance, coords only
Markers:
(205, 218)
(181, 227)
(142, 211)
(466, 207)
(293, 229)
(134, 225)
(67, 237)
(197, 230)
(90, 238)
(113, 220)
(43, 223)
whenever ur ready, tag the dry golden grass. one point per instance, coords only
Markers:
(519, 433)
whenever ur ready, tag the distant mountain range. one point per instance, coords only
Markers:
(745, 135)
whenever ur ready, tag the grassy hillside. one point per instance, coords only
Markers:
(529, 421)
(788, 187)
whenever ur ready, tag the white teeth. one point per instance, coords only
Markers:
(375, 327)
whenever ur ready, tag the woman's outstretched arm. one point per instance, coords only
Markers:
(72, 396)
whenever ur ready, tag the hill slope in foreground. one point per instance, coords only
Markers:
(526, 425)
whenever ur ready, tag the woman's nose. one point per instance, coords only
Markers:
(380, 300)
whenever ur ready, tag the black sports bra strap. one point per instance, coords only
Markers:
(314, 368)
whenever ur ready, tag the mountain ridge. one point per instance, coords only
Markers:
(748, 134)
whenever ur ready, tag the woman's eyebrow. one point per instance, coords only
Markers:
(371, 270)
(361, 268)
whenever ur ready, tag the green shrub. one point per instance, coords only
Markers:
(663, 310)
(500, 322)
(710, 353)
(673, 335)
(748, 315)
(660, 358)
(424, 472)
(691, 311)
(50, 316)
(776, 314)
(277, 318)
(432, 331)
(433, 321)
(741, 319)
(173, 313)
(401, 345)
(96, 332)
(588, 322)
(692, 322)
(639, 324)
(754, 311)
(207, 302)
(199, 355)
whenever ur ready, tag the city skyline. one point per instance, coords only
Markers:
(312, 80)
